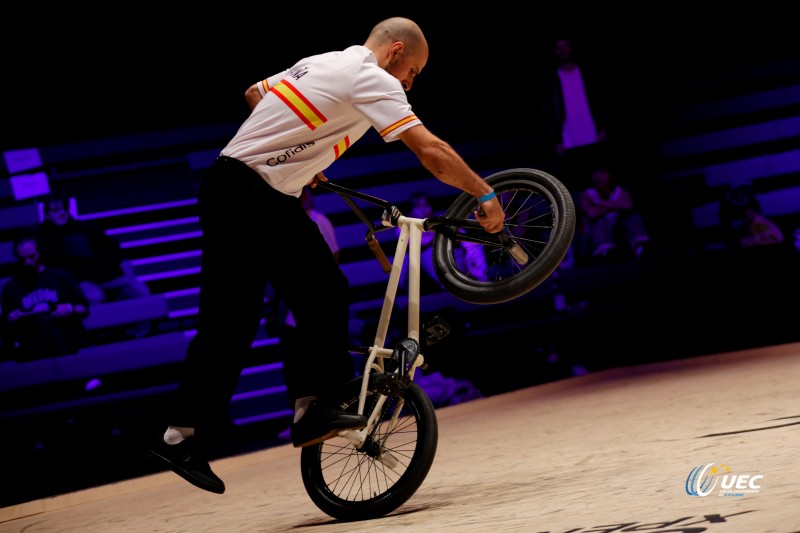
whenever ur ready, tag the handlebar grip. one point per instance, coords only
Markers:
(375, 246)
(514, 249)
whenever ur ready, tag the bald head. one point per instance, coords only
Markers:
(397, 29)
(400, 48)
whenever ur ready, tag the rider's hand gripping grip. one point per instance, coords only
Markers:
(511, 246)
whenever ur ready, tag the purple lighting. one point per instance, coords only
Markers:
(159, 240)
(138, 209)
(153, 225)
(261, 418)
(182, 292)
(92, 384)
(262, 368)
(260, 343)
(258, 393)
(180, 313)
(165, 258)
(170, 274)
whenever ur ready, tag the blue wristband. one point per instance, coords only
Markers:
(486, 197)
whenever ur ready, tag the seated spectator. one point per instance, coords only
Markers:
(470, 256)
(91, 256)
(761, 230)
(609, 228)
(42, 308)
(743, 223)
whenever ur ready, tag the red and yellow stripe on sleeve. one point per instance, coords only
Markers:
(389, 129)
(341, 146)
(305, 110)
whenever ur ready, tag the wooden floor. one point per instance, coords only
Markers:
(610, 451)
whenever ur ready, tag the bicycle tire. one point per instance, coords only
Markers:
(540, 215)
(350, 485)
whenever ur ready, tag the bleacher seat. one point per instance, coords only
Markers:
(106, 315)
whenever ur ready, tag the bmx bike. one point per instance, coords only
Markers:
(368, 473)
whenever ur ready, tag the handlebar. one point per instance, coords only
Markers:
(440, 224)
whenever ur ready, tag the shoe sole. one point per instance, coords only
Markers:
(182, 473)
(329, 435)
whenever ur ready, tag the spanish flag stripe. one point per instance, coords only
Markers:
(299, 104)
(289, 103)
(386, 131)
(265, 85)
(340, 147)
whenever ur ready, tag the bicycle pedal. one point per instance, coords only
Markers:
(436, 329)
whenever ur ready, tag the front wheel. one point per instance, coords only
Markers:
(374, 480)
(540, 220)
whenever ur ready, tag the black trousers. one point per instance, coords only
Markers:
(254, 235)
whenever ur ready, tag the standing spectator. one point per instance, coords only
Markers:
(42, 308)
(91, 256)
(576, 115)
(609, 227)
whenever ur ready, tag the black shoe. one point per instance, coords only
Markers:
(322, 423)
(187, 461)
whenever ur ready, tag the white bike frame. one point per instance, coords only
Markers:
(409, 242)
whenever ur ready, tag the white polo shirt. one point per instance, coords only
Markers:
(312, 112)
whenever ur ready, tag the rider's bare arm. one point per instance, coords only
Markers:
(449, 167)
(252, 96)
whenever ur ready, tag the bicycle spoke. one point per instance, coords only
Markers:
(355, 475)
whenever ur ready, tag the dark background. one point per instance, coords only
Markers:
(71, 74)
